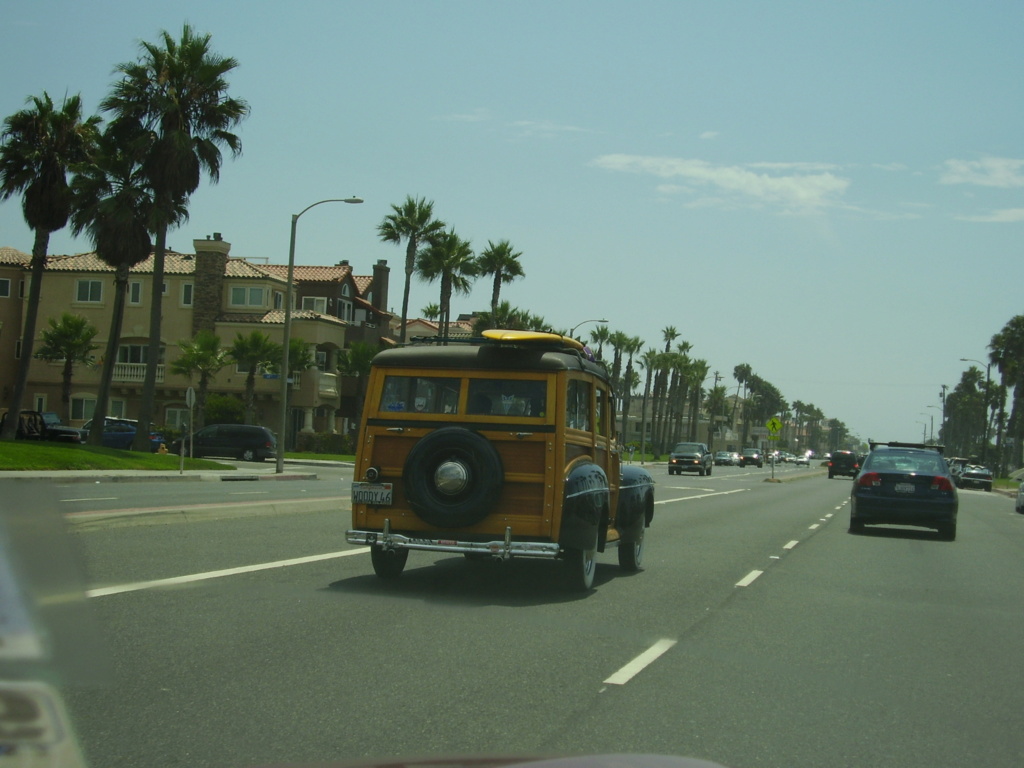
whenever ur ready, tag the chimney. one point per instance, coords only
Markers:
(208, 292)
(381, 273)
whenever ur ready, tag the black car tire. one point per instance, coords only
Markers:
(948, 532)
(631, 554)
(856, 526)
(701, 471)
(831, 475)
(483, 467)
(388, 563)
(709, 470)
(580, 565)
(249, 454)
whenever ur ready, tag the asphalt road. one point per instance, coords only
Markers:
(760, 633)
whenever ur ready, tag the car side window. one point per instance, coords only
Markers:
(506, 397)
(420, 394)
(577, 405)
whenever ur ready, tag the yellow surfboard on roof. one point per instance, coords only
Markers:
(532, 337)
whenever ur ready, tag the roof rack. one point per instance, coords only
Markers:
(922, 446)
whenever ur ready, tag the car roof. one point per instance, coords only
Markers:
(488, 356)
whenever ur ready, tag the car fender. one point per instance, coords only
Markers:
(586, 501)
(636, 503)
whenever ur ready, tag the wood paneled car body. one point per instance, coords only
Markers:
(501, 446)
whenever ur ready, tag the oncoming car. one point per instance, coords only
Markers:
(905, 484)
(501, 446)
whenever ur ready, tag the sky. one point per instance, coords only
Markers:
(830, 193)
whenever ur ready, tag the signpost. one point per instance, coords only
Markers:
(774, 426)
(190, 401)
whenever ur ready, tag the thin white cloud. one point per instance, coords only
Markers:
(811, 187)
(1002, 216)
(709, 135)
(1003, 172)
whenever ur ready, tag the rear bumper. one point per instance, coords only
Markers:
(892, 512)
(505, 549)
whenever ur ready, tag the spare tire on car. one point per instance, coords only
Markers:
(453, 477)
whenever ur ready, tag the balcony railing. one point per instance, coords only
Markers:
(328, 385)
(135, 373)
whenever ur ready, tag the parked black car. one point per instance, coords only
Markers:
(247, 442)
(33, 425)
(690, 457)
(843, 463)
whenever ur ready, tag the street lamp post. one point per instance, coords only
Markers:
(288, 325)
(984, 403)
(572, 332)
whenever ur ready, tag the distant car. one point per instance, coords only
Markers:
(248, 442)
(58, 431)
(843, 463)
(120, 433)
(736, 459)
(751, 456)
(974, 476)
(723, 459)
(690, 457)
(802, 459)
(904, 484)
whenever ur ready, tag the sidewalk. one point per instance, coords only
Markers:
(295, 469)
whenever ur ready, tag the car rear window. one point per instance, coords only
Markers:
(899, 461)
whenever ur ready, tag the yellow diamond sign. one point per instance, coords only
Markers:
(774, 425)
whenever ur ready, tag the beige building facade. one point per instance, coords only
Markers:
(208, 289)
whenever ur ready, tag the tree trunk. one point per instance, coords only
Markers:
(147, 405)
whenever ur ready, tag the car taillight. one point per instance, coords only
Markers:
(941, 483)
(870, 480)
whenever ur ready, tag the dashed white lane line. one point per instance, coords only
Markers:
(790, 545)
(644, 660)
(701, 496)
(815, 525)
(92, 498)
(139, 585)
(749, 579)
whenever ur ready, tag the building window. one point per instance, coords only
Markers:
(5, 288)
(246, 297)
(345, 311)
(321, 360)
(118, 409)
(176, 418)
(21, 289)
(88, 291)
(135, 292)
(278, 300)
(40, 402)
(17, 350)
(82, 407)
(132, 353)
(186, 294)
(315, 303)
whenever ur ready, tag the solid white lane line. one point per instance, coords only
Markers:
(139, 585)
(747, 580)
(790, 545)
(645, 659)
(701, 496)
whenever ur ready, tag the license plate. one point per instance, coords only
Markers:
(377, 494)
(904, 487)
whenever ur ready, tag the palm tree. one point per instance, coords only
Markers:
(354, 362)
(600, 336)
(742, 374)
(201, 355)
(413, 222)
(449, 259)
(254, 352)
(648, 361)
(40, 145)
(172, 108)
(502, 263)
(68, 340)
(506, 316)
(633, 345)
(431, 311)
(113, 205)
(1007, 354)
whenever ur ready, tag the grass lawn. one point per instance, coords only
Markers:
(29, 455)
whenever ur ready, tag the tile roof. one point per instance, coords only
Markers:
(312, 274)
(276, 317)
(11, 256)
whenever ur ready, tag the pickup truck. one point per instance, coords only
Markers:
(690, 457)
(36, 425)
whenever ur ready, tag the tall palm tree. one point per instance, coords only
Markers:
(648, 362)
(449, 259)
(501, 262)
(600, 336)
(172, 108)
(113, 205)
(633, 345)
(414, 222)
(69, 341)
(742, 374)
(431, 311)
(254, 352)
(1007, 354)
(40, 145)
(201, 356)
(354, 362)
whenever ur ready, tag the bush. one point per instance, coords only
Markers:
(325, 442)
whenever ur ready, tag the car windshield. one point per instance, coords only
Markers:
(922, 462)
(688, 448)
